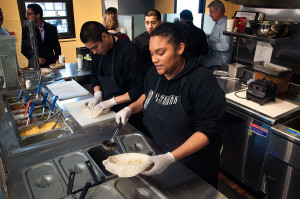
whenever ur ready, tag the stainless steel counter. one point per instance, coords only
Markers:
(244, 156)
(229, 86)
(71, 70)
(176, 182)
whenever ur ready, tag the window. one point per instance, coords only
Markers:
(197, 7)
(55, 12)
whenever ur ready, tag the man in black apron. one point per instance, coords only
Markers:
(183, 107)
(116, 74)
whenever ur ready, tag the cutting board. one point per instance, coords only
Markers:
(271, 109)
(74, 109)
(67, 89)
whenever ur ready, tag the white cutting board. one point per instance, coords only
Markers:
(67, 89)
(74, 109)
(271, 109)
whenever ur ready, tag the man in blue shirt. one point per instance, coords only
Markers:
(220, 46)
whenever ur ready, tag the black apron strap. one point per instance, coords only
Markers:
(157, 84)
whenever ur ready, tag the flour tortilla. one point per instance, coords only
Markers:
(91, 113)
(45, 71)
(126, 164)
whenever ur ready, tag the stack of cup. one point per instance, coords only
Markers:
(62, 59)
(230, 25)
(28, 83)
(80, 62)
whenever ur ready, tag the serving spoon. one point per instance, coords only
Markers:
(111, 145)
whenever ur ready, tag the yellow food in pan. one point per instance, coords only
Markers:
(36, 129)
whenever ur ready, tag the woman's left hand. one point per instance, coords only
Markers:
(161, 162)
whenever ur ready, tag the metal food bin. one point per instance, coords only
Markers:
(135, 143)
(51, 179)
(38, 132)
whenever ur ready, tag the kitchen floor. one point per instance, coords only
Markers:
(231, 190)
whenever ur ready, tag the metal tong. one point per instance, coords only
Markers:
(46, 120)
(52, 106)
(20, 95)
(38, 90)
(28, 96)
(58, 116)
(30, 113)
(44, 102)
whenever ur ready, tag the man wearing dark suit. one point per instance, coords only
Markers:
(46, 36)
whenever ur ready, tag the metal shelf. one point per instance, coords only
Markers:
(249, 39)
(254, 37)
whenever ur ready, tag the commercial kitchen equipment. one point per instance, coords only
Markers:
(235, 70)
(246, 134)
(43, 166)
(262, 91)
(20, 137)
(278, 74)
(281, 171)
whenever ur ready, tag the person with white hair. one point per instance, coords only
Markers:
(220, 46)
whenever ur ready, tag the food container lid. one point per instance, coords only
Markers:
(237, 65)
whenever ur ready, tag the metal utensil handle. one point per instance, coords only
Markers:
(48, 118)
(38, 90)
(53, 103)
(27, 107)
(92, 171)
(58, 116)
(20, 95)
(44, 99)
(28, 96)
(31, 109)
(70, 183)
(30, 113)
(85, 190)
(117, 131)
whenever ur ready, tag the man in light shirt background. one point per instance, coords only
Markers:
(220, 46)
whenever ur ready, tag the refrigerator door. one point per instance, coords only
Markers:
(258, 136)
(234, 139)
(280, 180)
(245, 142)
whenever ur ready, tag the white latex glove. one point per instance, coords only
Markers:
(97, 98)
(161, 162)
(123, 115)
(106, 104)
